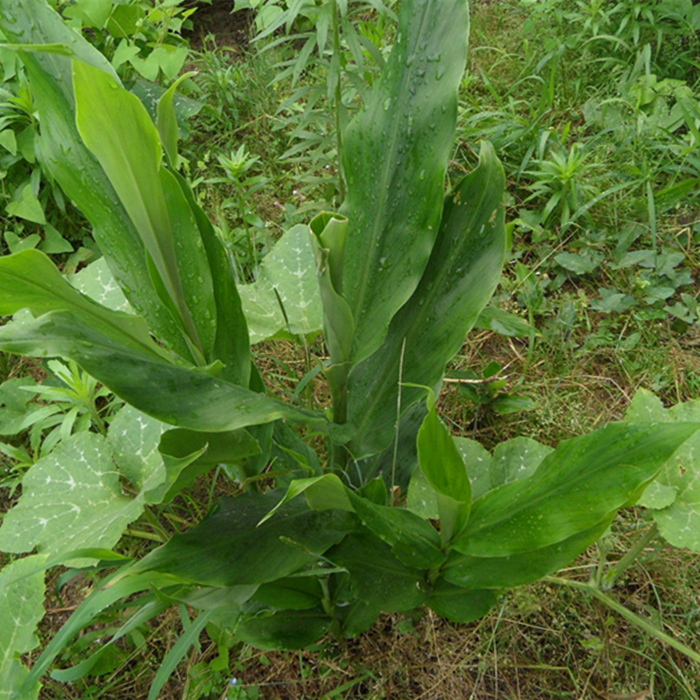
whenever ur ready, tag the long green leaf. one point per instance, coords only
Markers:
(231, 344)
(71, 164)
(458, 604)
(395, 157)
(229, 548)
(443, 467)
(380, 580)
(166, 120)
(580, 483)
(288, 629)
(183, 396)
(29, 280)
(517, 569)
(461, 276)
(118, 130)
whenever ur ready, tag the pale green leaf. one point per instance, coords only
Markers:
(72, 498)
(516, 459)
(646, 407)
(54, 242)
(134, 438)
(21, 609)
(478, 463)
(657, 496)
(289, 268)
(97, 281)
(679, 523)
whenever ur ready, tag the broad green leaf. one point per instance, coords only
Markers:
(289, 629)
(97, 282)
(679, 523)
(187, 397)
(478, 463)
(459, 604)
(67, 159)
(187, 454)
(516, 459)
(15, 394)
(289, 268)
(518, 569)
(224, 549)
(444, 469)
(379, 579)
(133, 438)
(413, 541)
(91, 13)
(29, 280)
(54, 243)
(118, 130)
(70, 499)
(294, 593)
(462, 273)
(579, 483)
(674, 497)
(8, 140)
(421, 498)
(646, 407)
(21, 609)
(124, 20)
(657, 496)
(408, 124)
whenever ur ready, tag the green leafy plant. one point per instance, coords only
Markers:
(343, 53)
(72, 402)
(399, 275)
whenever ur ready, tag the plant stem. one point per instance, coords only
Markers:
(608, 581)
(635, 619)
(338, 101)
(339, 399)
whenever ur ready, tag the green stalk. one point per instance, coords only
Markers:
(608, 581)
(339, 399)
(338, 101)
(635, 619)
(241, 206)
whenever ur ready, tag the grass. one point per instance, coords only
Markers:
(580, 370)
